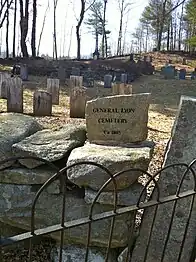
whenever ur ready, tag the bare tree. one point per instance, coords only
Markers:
(123, 5)
(14, 30)
(24, 23)
(33, 33)
(104, 36)
(80, 20)
(4, 9)
(42, 29)
(7, 30)
(55, 2)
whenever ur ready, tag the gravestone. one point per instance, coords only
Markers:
(184, 61)
(107, 81)
(124, 78)
(53, 86)
(42, 103)
(62, 74)
(15, 96)
(182, 74)
(3, 86)
(118, 119)
(181, 149)
(193, 75)
(76, 81)
(168, 72)
(121, 89)
(78, 98)
(24, 72)
(75, 71)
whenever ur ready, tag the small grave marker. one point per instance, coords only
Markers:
(53, 86)
(15, 97)
(42, 103)
(124, 78)
(168, 72)
(118, 119)
(24, 72)
(62, 74)
(3, 87)
(78, 98)
(121, 89)
(182, 74)
(76, 81)
(107, 81)
(75, 71)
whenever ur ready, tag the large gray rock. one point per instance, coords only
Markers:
(114, 158)
(50, 145)
(13, 128)
(77, 254)
(125, 197)
(182, 149)
(15, 210)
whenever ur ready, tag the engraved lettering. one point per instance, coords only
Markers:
(113, 110)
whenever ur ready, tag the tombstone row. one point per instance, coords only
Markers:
(169, 72)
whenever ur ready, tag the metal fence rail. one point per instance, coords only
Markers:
(140, 205)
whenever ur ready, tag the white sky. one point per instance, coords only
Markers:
(66, 18)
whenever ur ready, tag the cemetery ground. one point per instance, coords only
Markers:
(164, 103)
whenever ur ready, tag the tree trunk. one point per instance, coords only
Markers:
(24, 22)
(55, 40)
(162, 22)
(14, 31)
(119, 46)
(168, 37)
(42, 29)
(180, 29)
(82, 11)
(7, 31)
(103, 36)
(33, 34)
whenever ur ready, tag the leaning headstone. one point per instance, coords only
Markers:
(24, 72)
(76, 81)
(42, 103)
(15, 97)
(53, 86)
(107, 81)
(124, 78)
(179, 245)
(78, 98)
(182, 74)
(75, 71)
(118, 119)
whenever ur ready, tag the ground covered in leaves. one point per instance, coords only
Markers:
(161, 118)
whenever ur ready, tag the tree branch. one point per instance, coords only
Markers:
(176, 6)
(5, 14)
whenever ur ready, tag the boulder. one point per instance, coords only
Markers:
(14, 127)
(15, 210)
(77, 254)
(125, 197)
(114, 158)
(50, 145)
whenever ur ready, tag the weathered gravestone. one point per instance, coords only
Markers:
(168, 72)
(15, 96)
(24, 72)
(118, 119)
(182, 74)
(76, 81)
(124, 78)
(121, 89)
(75, 71)
(107, 81)
(11, 82)
(42, 103)
(62, 74)
(181, 149)
(3, 87)
(193, 75)
(78, 98)
(53, 86)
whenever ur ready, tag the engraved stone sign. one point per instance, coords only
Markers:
(118, 119)
(42, 103)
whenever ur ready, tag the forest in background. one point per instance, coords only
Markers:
(164, 25)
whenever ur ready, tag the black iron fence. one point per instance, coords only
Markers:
(141, 204)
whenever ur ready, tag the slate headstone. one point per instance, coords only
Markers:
(182, 74)
(53, 87)
(124, 78)
(181, 149)
(62, 74)
(118, 119)
(168, 72)
(24, 72)
(75, 71)
(107, 81)
(42, 103)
